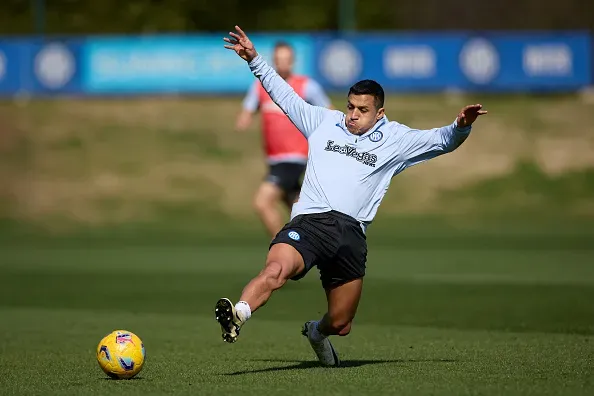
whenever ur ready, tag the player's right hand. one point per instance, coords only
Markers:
(241, 44)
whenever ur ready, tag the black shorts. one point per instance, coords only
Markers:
(332, 241)
(287, 176)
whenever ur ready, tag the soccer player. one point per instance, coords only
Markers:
(285, 146)
(352, 159)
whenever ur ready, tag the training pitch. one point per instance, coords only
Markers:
(434, 321)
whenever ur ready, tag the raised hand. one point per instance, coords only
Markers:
(241, 44)
(469, 114)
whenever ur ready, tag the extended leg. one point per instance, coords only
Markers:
(342, 307)
(343, 301)
(283, 262)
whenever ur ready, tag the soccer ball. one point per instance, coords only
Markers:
(121, 354)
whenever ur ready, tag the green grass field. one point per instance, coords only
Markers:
(137, 214)
(432, 321)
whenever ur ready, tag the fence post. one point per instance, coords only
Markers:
(346, 16)
(39, 16)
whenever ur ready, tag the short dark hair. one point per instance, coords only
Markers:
(282, 44)
(369, 87)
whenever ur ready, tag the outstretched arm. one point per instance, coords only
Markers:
(421, 145)
(305, 116)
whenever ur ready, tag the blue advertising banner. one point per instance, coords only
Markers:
(198, 64)
(177, 64)
(415, 62)
(499, 62)
(10, 65)
(526, 62)
(39, 67)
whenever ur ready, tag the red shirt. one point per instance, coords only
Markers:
(282, 140)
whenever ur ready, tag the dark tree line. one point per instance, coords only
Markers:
(156, 16)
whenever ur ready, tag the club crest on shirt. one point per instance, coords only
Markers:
(376, 136)
(365, 158)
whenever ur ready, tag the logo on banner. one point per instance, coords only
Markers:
(419, 61)
(547, 60)
(54, 66)
(479, 61)
(341, 63)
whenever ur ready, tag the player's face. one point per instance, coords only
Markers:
(362, 114)
(283, 61)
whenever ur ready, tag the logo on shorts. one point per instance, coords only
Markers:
(294, 235)
(376, 136)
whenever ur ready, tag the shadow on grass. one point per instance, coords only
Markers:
(304, 365)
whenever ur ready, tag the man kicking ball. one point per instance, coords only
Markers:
(352, 159)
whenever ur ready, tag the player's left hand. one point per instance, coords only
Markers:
(241, 44)
(469, 114)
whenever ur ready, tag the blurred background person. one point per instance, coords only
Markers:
(284, 146)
